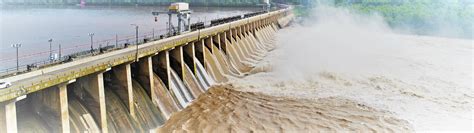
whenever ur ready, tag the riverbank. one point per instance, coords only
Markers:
(452, 18)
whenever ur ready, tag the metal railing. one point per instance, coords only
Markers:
(71, 53)
(86, 69)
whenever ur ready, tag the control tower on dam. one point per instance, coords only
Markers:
(138, 87)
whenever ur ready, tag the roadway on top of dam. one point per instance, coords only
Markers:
(69, 26)
(43, 78)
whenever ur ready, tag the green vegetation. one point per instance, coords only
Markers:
(301, 11)
(421, 16)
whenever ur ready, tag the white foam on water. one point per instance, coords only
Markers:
(424, 80)
(343, 71)
(177, 90)
(182, 88)
(203, 77)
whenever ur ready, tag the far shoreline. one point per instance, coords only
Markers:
(131, 4)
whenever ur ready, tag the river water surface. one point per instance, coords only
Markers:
(70, 26)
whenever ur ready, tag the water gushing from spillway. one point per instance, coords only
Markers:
(164, 99)
(80, 117)
(191, 82)
(177, 84)
(148, 116)
(178, 90)
(224, 109)
(33, 119)
(204, 79)
(118, 117)
(262, 103)
(147, 113)
(342, 73)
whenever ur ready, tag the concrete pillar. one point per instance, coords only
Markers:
(8, 123)
(199, 51)
(64, 108)
(189, 50)
(247, 27)
(228, 35)
(235, 33)
(239, 31)
(252, 27)
(177, 54)
(95, 87)
(52, 100)
(208, 43)
(244, 31)
(217, 39)
(145, 69)
(257, 24)
(124, 75)
(164, 62)
(222, 41)
(250, 30)
(231, 35)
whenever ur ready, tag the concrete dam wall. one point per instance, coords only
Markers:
(136, 89)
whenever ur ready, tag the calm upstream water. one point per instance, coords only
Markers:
(70, 25)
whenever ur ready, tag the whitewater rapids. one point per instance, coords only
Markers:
(363, 78)
(224, 109)
(335, 101)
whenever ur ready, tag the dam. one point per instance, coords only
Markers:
(138, 87)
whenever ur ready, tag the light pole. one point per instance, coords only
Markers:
(116, 40)
(136, 32)
(50, 49)
(92, 42)
(136, 41)
(60, 51)
(18, 45)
